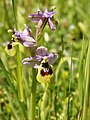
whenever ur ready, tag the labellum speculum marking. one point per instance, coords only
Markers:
(46, 69)
(9, 46)
(10, 50)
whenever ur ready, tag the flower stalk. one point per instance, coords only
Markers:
(19, 76)
(44, 103)
(33, 95)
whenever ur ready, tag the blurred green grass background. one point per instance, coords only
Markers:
(68, 93)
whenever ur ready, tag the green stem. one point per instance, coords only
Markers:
(19, 75)
(33, 95)
(44, 102)
(14, 12)
(71, 69)
(69, 110)
(87, 86)
(6, 14)
(81, 75)
(40, 30)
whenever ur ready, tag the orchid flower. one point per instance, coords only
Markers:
(43, 62)
(26, 37)
(42, 18)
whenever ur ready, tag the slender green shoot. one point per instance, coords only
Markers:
(19, 76)
(87, 85)
(33, 95)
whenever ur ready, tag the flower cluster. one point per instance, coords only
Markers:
(41, 60)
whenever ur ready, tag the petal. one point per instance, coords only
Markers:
(32, 61)
(27, 31)
(39, 12)
(36, 66)
(45, 10)
(17, 34)
(35, 17)
(51, 25)
(39, 58)
(25, 37)
(45, 14)
(51, 14)
(48, 14)
(27, 41)
(42, 51)
(27, 44)
(52, 58)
